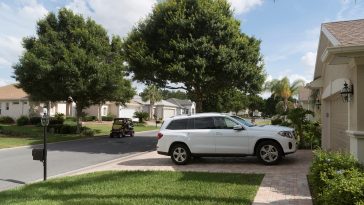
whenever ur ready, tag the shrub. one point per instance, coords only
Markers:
(336, 178)
(346, 187)
(62, 129)
(142, 116)
(276, 121)
(87, 132)
(54, 121)
(34, 120)
(22, 120)
(73, 119)
(107, 118)
(88, 118)
(311, 138)
(7, 120)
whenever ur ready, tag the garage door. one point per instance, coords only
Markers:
(339, 124)
(168, 113)
(126, 112)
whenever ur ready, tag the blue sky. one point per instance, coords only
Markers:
(289, 29)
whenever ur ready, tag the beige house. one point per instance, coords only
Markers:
(14, 102)
(340, 60)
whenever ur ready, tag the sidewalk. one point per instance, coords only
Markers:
(284, 184)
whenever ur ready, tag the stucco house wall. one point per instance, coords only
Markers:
(340, 59)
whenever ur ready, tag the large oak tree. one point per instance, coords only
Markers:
(73, 57)
(196, 45)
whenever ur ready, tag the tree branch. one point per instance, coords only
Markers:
(175, 88)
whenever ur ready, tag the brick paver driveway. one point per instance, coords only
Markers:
(284, 184)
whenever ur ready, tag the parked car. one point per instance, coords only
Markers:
(122, 127)
(214, 134)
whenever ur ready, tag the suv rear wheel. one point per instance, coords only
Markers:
(180, 154)
(269, 153)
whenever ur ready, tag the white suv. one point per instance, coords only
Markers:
(214, 134)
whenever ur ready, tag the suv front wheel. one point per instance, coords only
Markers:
(180, 154)
(269, 152)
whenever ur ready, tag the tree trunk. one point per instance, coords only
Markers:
(199, 105)
(151, 110)
(49, 108)
(78, 116)
(99, 118)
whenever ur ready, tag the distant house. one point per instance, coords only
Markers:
(340, 62)
(184, 106)
(304, 98)
(162, 109)
(14, 102)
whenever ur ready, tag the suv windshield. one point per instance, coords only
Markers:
(242, 121)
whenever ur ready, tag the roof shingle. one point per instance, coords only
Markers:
(348, 33)
(11, 92)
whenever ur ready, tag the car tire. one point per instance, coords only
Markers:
(269, 153)
(132, 134)
(180, 154)
(111, 135)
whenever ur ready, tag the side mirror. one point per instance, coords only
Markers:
(238, 127)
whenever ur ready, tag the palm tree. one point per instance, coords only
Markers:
(284, 89)
(153, 94)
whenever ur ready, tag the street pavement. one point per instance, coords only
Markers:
(17, 166)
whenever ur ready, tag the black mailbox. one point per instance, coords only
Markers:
(38, 154)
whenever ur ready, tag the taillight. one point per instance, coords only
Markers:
(159, 135)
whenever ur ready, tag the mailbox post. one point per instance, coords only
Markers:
(45, 122)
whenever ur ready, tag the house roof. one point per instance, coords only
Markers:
(138, 99)
(180, 102)
(346, 33)
(11, 92)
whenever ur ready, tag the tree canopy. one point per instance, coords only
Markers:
(197, 45)
(71, 56)
(284, 89)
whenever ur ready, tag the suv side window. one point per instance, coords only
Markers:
(178, 124)
(230, 123)
(224, 123)
(204, 123)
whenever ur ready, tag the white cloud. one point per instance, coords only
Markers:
(350, 10)
(16, 23)
(118, 17)
(309, 60)
(243, 6)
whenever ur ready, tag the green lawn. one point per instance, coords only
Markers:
(111, 188)
(30, 135)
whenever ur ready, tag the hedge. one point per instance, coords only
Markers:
(336, 179)
(6, 120)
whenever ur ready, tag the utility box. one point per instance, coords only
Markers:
(38, 154)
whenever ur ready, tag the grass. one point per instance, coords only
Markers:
(31, 135)
(138, 187)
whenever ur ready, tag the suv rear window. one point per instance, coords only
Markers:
(204, 123)
(178, 124)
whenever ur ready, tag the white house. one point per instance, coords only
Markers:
(184, 106)
(14, 102)
(339, 65)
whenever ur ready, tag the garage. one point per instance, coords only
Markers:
(126, 112)
(168, 112)
(339, 124)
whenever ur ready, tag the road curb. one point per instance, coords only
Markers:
(81, 170)
(89, 138)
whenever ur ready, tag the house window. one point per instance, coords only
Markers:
(15, 103)
(186, 111)
(7, 106)
(25, 102)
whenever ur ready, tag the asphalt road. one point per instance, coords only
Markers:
(17, 166)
